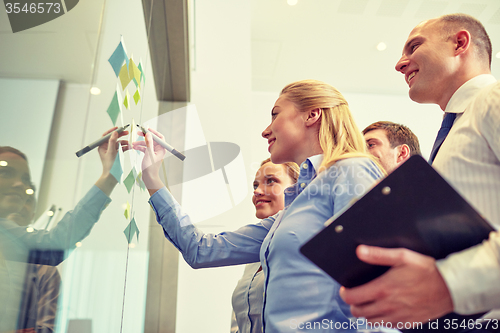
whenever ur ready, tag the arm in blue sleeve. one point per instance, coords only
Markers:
(207, 250)
(72, 228)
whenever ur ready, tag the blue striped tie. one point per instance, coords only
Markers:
(448, 120)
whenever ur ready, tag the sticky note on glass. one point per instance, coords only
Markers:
(114, 108)
(118, 57)
(127, 211)
(129, 181)
(131, 230)
(124, 76)
(126, 100)
(120, 99)
(134, 73)
(140, 182)
(140, 66)
(137, 97)
(116, 169)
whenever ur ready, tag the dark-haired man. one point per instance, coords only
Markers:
(391, 143)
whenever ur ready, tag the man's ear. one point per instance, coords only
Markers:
(403, 154)
(462, 40)
(313, 117)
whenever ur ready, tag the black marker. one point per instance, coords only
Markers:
(163, 143)
(97, 143)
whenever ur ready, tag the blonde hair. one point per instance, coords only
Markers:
(292, 169)
(339, 136)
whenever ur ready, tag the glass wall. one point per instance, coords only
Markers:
(73, 257)
(106, 267)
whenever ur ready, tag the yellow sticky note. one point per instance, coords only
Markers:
(142, 70)
(127, 211)
(134, 73)
(124, 76)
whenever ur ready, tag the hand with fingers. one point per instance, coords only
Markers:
(107, 153)
(412, 290)
(151, 163)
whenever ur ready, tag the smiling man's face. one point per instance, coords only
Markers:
(429, 64)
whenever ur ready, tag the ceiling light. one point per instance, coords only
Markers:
(3, 163)
(292, 2)
(30, 191)
(29, 229)
(381, 46)
(498, 55)
(95, 91)
(78, 244)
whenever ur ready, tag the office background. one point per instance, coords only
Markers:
(229, 59)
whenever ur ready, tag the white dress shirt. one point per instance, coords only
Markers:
(469, 160)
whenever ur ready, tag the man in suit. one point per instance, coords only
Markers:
(447, 61)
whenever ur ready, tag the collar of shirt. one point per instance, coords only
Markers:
(307, 174)
(463, 96)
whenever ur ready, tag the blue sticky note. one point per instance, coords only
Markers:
(116, 169)
(117, 58)
(131, 230)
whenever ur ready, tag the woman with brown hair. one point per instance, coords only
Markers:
(268, 198)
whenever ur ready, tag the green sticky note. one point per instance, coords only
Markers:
(129, 181)
(126, 101)
(140, 182)
(137, 97)
(133, 169)
(114, 108)
(131, 230)
(142, 71)
(116, 169)
(124, 76)
(127, 211)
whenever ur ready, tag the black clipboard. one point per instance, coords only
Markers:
(413, 207)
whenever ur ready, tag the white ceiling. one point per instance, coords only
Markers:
(330, 40)
(335, 40)
(60, 49)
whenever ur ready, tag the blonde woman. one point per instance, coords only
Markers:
(312, 126)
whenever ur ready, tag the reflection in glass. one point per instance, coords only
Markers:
(30, 288)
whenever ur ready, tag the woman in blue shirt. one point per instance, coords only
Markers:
(312, 126)
(268, 198)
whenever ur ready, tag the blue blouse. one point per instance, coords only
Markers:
(298, 295)
(17, 244)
